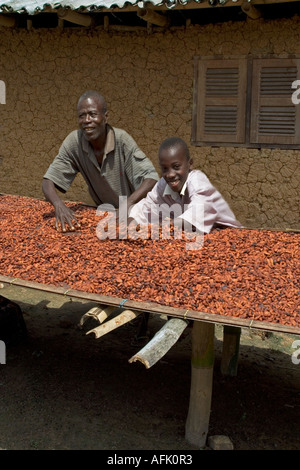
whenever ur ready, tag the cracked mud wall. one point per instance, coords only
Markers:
(147, 80)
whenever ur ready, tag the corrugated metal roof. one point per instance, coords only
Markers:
(35, 6)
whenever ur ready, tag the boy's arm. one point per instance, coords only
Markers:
(141, 211)
(200, 214)
(206, 206)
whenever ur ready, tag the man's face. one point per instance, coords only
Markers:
(91, 118)
(175, 167)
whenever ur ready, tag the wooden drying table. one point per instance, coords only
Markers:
(202, 355)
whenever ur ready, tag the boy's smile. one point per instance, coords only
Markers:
(175, 166)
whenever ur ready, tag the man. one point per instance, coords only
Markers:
(108, 159)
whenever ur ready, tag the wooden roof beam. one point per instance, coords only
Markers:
(8, 21)
(75, 17)
(251, 11)
(153, 17)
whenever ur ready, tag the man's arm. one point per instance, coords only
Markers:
(63, 215)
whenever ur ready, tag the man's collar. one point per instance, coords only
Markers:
(109, 144)
(110, 140)
(169, 191)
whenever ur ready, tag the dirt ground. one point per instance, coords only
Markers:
(65, 390)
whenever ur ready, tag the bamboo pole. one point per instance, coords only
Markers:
(160, 344)
(252, 12)
(116, 322)
(230, 352)
(152, 17)
(75, 17)
(98, 313)
(202, 362)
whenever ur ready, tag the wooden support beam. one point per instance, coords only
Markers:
(149, 27)
(202, 363)
(230, 352)
(75, 17)
(152, 17)
(97, 313)
(60, 23)
(116, 322)
(106, 23)
(160, 343)
(8, 21)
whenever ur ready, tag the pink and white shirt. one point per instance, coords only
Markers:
(199, 203)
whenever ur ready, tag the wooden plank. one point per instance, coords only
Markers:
(152, 307)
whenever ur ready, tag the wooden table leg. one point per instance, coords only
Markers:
(230, 352)
(202, 364)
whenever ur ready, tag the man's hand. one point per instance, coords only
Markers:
(64, 218)
(63, 215)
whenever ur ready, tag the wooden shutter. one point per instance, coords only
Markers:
(220, 108)
(274, 118)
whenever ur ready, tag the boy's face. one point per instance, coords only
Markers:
(175, 167)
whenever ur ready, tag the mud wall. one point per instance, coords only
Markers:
(147, 80)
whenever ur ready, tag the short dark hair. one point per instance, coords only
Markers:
(94, 94)
(172, 142)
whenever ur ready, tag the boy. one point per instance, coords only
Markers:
(190, 192)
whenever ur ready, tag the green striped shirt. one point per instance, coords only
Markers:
(123, 169)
